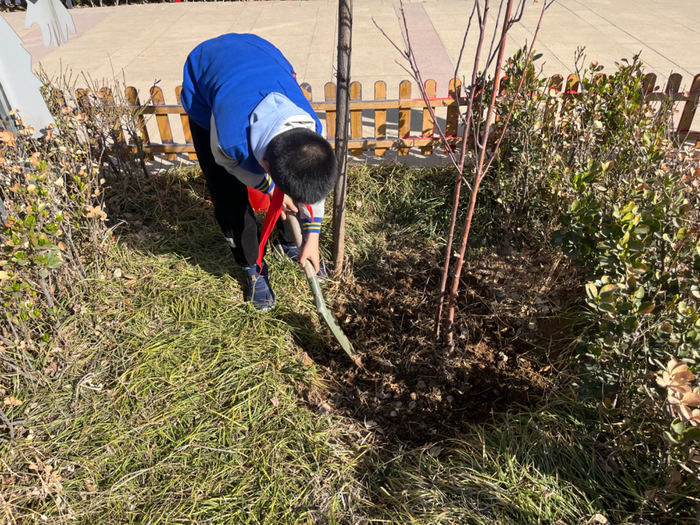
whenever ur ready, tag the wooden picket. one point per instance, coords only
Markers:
(406, 138)
(691, 107)
(185, 121)
(355, 117)
(132, 97)
(452, 119)
(380, 116)
(329, 92)
(404, 116)
(428, 127)
(105, 93)
(166, 134)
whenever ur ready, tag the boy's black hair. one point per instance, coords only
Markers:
(302, 164)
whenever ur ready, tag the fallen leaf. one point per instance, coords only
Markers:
(691, 398)
(8, 136)
(90, 485)
(11, 401)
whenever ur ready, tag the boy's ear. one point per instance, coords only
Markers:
(265, 165)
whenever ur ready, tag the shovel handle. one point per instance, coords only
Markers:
(293, 222)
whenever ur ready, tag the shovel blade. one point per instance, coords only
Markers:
(330, 321)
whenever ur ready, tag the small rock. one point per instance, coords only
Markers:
(414, 396)
(393, 413)
(398, 404)
(449, 399)
(420, 385)
(325, 408)
(412, 405)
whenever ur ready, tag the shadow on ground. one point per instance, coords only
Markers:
(413, 387)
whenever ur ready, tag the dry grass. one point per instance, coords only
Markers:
(168, 399)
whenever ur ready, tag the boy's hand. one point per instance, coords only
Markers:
(287, 206)
(310, 251)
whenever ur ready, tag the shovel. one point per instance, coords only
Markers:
(310, 272)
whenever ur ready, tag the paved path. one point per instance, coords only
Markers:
(142, 44)
(150, 42)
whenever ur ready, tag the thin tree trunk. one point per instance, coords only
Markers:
(478, 176)
(341, 130)
(460, 168)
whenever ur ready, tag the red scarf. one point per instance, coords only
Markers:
(271, 217)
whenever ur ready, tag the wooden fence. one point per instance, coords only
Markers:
(370, 133)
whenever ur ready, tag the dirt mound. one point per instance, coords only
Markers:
(417, 389)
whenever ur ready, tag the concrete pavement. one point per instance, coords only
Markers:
(141, 44)
(149, 42)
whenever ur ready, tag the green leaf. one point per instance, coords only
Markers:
(690, 434)
(678, 426)
(607, 307)
(53, 260)
(591, 290)
(646, 308)
(607, 290)
(670, 437)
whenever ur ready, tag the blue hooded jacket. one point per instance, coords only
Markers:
(228, 77)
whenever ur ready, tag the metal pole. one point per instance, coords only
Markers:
(341, 130)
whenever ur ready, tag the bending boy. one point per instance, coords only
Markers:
(253, 127)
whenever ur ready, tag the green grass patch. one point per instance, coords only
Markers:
(167, 399)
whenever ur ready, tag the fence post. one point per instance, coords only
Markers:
(132, 97)
(379, 116)
(329, 96)
(306, 89)
(185, 119)
(166, 135)
(572, 83)
(356, 117)
(690, 108)
(404, 116)
(673, 85)
(452, 118)
(648, 83)
(428, 124)
(105, 94)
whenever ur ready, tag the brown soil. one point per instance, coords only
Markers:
(416, 389)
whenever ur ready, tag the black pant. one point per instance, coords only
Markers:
(232, 209)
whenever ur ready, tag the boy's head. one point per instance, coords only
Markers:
(302, 163)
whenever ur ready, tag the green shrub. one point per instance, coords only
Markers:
(53, 225)
(602, 167)
(600, 172)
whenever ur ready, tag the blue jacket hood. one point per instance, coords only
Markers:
(268, 119)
